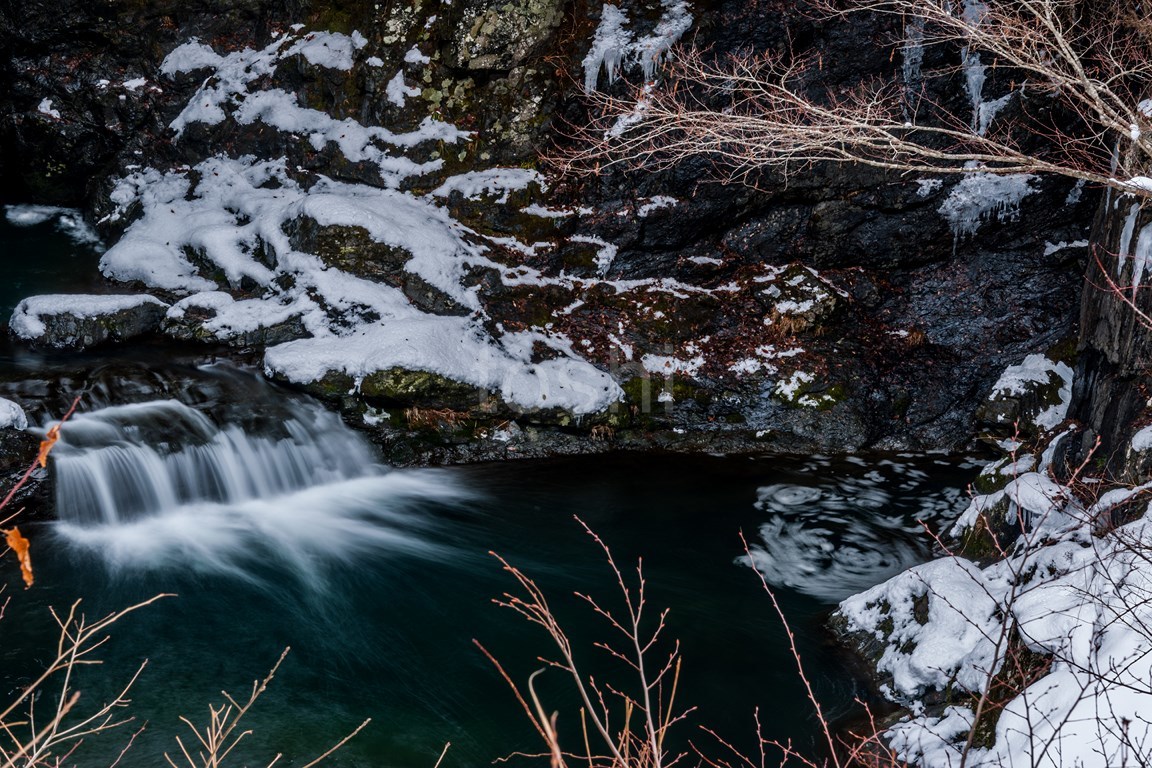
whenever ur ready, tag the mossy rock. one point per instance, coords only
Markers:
(990, 535)
(65, 330)
(804, 390)
(502, 34)
(420, 388)
(351, 249)
(643, 394)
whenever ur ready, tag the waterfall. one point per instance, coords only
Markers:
(162, 484)
(125, 462)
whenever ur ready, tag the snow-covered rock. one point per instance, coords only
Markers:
(1031, 396)
(12, 416)
(80, 321)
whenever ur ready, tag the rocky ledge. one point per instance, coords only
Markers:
(354, 195)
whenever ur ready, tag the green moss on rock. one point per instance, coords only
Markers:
(420, 388)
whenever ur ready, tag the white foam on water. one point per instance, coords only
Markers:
(835, 536)
(159, 485)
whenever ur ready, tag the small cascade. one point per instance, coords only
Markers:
(246, 479)
(125, 462)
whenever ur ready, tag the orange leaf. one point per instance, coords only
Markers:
(19, 545)
(47, 443)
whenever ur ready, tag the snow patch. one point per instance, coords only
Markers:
(12, 416)
(1038, 369)
(398, 92)
(655, 204)
(604, 257)
(1051, 248)
(474, 184)
(1142, 440)
(45, 108)
(331, 50)
(414, 56)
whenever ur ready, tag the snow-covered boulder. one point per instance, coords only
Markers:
(215, 316)
(12, 416)
(1031, 397)
(79, 321)
(17, 445)
(929, 629)
(425, 358)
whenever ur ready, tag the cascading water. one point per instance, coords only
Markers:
(126, 462)
(161, 483)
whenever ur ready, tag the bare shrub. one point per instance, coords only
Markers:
(753, 110)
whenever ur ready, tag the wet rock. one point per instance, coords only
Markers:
(1110, 392)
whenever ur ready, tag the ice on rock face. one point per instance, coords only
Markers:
(980, 197)
(674, 22)
(614, 45)
(609, 46)
(913, 56)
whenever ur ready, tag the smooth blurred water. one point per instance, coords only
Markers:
(379, 580)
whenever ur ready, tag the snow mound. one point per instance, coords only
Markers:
(12, 416)
(953, 643)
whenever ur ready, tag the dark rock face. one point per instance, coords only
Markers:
(79, 55)
(914, 322)
(1110, 397)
